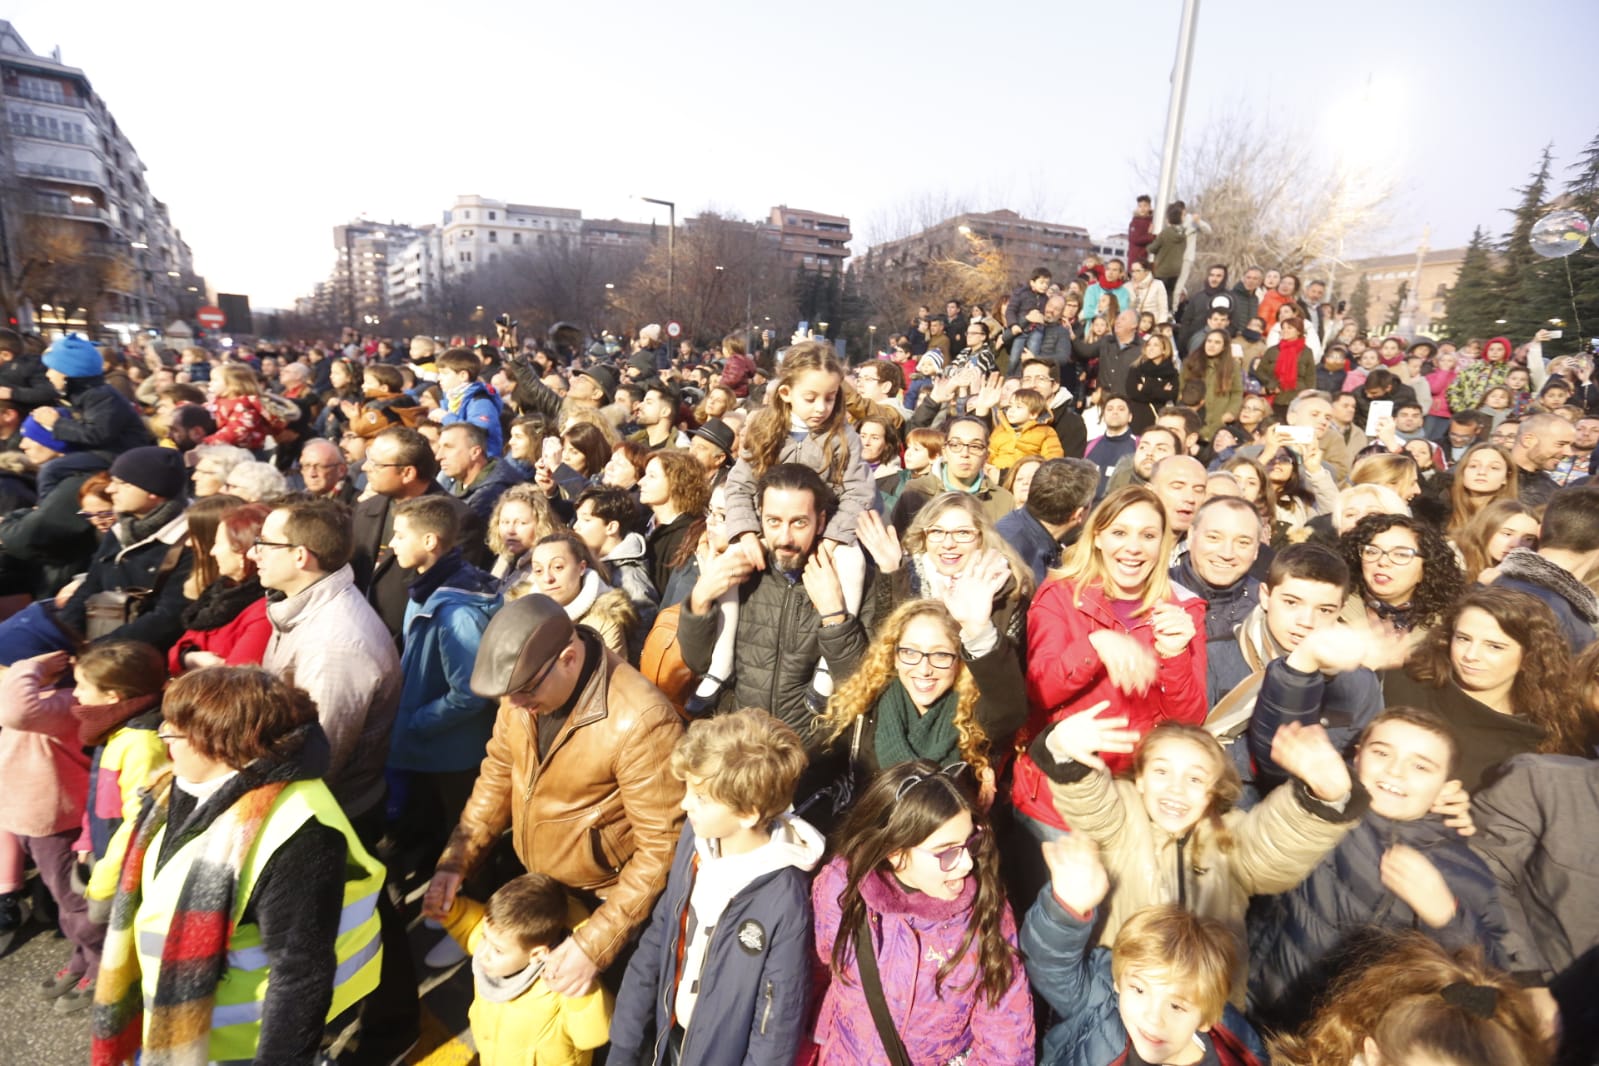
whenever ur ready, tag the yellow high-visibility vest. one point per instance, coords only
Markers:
(241, 993)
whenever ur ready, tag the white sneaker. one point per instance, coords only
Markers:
(444, 954)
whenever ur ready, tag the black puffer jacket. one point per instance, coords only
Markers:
(102, 419)
(780, 641)
(121, 563)
(42, 547)
(30, 387)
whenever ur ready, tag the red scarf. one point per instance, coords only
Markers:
(1288, 363)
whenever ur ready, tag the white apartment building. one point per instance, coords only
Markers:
(477, 231)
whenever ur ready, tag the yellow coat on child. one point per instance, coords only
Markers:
(539, 1027)
(1008, 445)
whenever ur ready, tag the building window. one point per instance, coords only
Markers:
(45, 90)
(516, 238)
(492, 216)
(494, 236)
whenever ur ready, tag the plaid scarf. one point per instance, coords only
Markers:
(195, 954)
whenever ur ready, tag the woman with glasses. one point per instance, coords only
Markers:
(911, 915)
(951, 541)
(1498, 669)
(1404, 577)
(240, 864)
(919, 693)
(1110, 626)
(227, 623)
(1148, 295)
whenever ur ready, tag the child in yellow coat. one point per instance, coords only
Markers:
(517, 1019)
(1023, 427)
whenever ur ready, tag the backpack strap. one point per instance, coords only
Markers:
(872, 986)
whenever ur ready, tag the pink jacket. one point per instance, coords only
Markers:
(42, 763)
(915, 933)
(1065, 675)
(1439, 381)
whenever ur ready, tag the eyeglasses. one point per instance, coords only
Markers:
(935, 535)
(966, 447)
(941, 660)
(1398, 556)
(373, 464)
(319, 467)
(950, 857)
(167, 738)
(258, 544)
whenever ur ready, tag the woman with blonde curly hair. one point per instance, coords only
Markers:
(521, 518)
(920, 693)
(1414, 1003)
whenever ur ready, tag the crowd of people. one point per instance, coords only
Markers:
(1110, 675)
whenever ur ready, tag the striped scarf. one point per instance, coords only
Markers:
(195, 954)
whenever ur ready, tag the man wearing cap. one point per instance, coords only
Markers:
(578, 768)
(591, 388)
(146, 549)
(712, 447)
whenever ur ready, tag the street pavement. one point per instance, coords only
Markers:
(34, 1035)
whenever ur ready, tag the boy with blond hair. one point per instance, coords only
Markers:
(722, 973)
(1159, 993)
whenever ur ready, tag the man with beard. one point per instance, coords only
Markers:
(791, 612)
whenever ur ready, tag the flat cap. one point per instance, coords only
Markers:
(519, 642)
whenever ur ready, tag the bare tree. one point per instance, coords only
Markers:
(1270, 203)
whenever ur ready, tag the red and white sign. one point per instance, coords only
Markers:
(674, 330)
(211, 317)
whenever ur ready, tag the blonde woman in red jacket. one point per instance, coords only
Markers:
(1110, 625)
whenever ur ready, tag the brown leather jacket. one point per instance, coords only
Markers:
(601, 811)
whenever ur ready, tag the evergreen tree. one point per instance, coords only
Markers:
(1360, 303)
(1524, 277)
(1582, 195)
(1473, 301)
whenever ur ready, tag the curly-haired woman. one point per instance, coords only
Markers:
(1404, 577)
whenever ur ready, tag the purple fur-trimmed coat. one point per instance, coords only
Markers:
(914, 934)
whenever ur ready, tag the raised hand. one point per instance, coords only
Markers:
(1334, 650)
(1304, 751)
(989, 395)
(728, 570)
(1130, 666)
(1454, 803)
(1083, 736)
(1174, 629)
(880, 541)
(821, 581)
(1077, 877)
(1411, 876)
(970, 597)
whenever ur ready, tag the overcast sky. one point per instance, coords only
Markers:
(264, 131)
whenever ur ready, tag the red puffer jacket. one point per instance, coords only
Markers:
(1065, 675)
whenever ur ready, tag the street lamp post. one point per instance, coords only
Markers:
(140, 247)
(671, 248)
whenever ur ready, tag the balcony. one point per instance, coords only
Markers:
(56, 95)
(62, 207)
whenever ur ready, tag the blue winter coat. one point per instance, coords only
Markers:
(1295, 939)
(479, 407)
(441, 726)
(751, 1005)
(1074, 977)
(1344, 704)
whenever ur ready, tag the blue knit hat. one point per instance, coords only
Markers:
(39, 435)
(75, 357)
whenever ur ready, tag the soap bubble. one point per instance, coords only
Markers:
(1559, 234)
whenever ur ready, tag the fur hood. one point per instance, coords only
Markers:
(612, 616)
(1525, 565)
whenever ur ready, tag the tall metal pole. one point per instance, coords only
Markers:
(1174, 111)
(671, 249)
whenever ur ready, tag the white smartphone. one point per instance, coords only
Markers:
(1300, 435)
(1555, 334)
(1380, 409)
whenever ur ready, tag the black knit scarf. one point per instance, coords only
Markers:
(220, 603)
